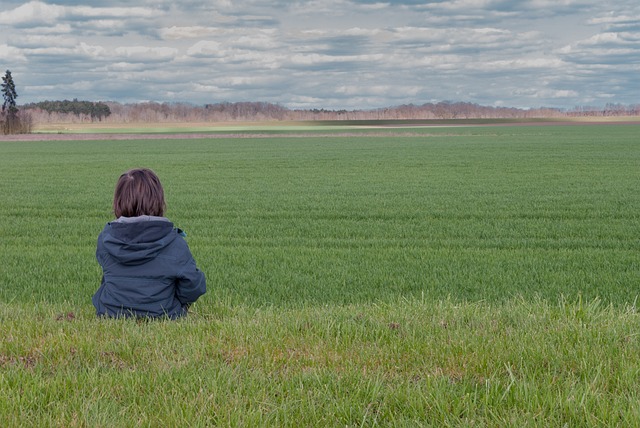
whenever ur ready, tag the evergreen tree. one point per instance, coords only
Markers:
(11, 121)
(9, 94)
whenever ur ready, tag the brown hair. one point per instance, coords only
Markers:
(138, 192)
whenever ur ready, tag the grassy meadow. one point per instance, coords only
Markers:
(451, 276)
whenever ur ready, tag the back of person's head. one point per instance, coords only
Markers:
(138, 192)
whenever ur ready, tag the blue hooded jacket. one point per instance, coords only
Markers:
(148, 270)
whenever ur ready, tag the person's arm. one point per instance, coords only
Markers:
(190, 283)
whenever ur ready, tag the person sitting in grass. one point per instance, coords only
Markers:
(148, 269)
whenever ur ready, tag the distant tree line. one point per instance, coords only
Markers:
(151, 112)
(92, 110)
(610, 109)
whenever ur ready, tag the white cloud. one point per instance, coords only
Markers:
(520, 64)
(381, 91)
(37, 12)
(551, 4)
(34, 12)
(614, 48)
(192, 32)
(145, 53)
(332, 54)
(447, 39)
(560, 93)
(250, 60)
(331, 7)
(356, 31)
(614, 19)
(262, 41)
(38, 40)
(90, 50)
(9, 53)
(314, 59)
(124, 66)
(98, 26)
(601, 38)
(205, 48)
(112, 12)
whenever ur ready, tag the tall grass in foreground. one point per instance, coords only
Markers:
(401, 363)
(462, 277)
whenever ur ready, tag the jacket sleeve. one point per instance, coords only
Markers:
(191, 282)
(100, 250)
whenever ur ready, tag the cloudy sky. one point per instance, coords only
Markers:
(334, 54)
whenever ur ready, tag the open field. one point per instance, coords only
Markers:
(303, 126)
(468, 276)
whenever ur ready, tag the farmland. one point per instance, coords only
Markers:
(477, 275)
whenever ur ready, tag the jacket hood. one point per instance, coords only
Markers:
(136, 242)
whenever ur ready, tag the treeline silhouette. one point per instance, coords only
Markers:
(152, 112)
(80, 109)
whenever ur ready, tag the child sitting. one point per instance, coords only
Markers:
(148, 270)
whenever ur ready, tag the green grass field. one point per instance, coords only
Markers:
(467, 276)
